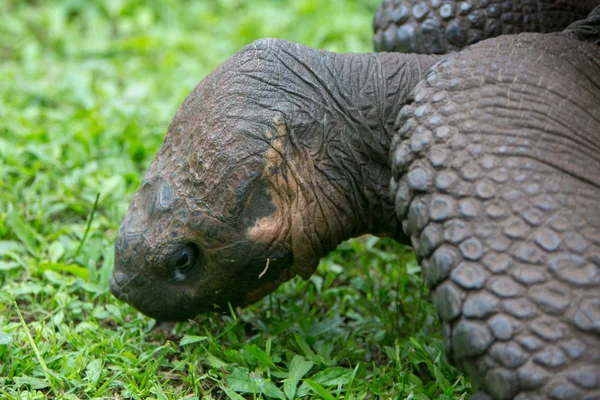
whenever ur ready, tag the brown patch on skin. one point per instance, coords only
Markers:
(300, 220)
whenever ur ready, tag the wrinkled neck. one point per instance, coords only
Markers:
(323, 124)
(355, 101)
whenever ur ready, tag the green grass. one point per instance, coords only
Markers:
(87, 90)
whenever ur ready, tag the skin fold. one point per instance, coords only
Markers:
(485, 161)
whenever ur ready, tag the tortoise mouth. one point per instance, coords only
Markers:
(120, 286)
(176, 301)
(150, 307)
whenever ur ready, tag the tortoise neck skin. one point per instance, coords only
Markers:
(332, 121)
(276, 157)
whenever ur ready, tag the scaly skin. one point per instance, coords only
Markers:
(442, 26)
(496, 174)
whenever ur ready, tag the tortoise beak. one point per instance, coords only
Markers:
(117, 282)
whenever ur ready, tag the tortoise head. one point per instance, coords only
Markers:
(276, 157)
(219, 215)
(176, 257)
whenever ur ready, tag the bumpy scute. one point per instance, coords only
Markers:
(442, 26)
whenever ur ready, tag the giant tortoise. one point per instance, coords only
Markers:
(486, 160)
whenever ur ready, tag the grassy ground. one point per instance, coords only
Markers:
(86, 92)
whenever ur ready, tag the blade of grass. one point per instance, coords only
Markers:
(320, 390)
(89, 224)
(33, 345)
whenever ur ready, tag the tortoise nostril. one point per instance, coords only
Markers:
(116, 283)
(119, 278)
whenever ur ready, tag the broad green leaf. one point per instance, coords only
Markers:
(189, 339)
(317, 281)
(261, 356)
(5, 338)
(332, 376)
(326, 325)
(8, 265)
(115, 312)
(7, 246)
(31, 382)
(58, 318)
(100, 312)
(94, 370)
(214, 361)
(55, 251)
(241, 381)
(298, 368)
(235, 356)
(24, 232)
(269, 389)
(26, 288)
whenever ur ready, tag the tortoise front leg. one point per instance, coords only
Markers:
(495, 173)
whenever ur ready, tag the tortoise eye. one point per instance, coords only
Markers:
(184, 260)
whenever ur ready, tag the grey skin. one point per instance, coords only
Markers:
(486, 162)
(442, 26)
